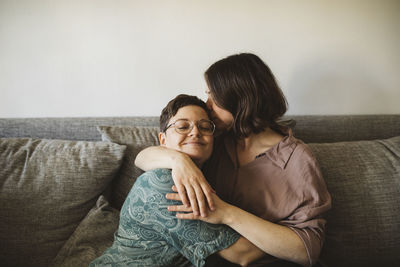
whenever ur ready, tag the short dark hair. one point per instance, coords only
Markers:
(175, 104)
(245, 86)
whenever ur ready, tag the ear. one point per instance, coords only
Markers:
(162, 138)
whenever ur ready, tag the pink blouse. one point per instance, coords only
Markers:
(284, 185)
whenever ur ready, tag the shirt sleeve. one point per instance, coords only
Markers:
(307, 219)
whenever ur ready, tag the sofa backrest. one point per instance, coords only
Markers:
(362, 176)
(309, 128)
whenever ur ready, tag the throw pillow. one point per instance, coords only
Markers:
(136, 139)
(93, 235)
(363, 178)
(46, 188)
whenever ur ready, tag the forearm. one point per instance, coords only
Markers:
(274, 239)
(242, 252)
(157, 157)
(190, 182)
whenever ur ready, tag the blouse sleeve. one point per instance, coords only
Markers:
(307, 219)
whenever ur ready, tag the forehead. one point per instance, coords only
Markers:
(191, 112)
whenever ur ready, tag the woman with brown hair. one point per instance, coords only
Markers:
(269, 186)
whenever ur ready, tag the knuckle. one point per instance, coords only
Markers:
(193, 179)
(208, 191)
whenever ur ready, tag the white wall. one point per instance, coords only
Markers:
(126, 57)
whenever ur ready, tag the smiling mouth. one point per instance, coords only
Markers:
(194, 143)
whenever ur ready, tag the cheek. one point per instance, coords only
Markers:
(210, 144)
(212, 106)
(223, 114)
(174, 141)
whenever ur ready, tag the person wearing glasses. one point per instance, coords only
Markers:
(268, 185)
(149, 234)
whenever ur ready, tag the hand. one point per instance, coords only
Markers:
(217, 216)
(193, 189)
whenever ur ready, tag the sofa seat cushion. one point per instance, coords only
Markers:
(363, 178)
(136, 139)
(46, 188)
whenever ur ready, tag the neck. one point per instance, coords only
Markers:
(248, 148)
(260, 141)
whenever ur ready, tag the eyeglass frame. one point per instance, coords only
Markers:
(192, 123)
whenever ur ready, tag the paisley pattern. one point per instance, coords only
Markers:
(150, 235)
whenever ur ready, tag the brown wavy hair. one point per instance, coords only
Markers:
(245, 86)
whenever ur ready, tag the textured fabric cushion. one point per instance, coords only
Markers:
(84, 128)
(46, 188)
(363, 178)
(93, 235)
(311, 128)
(136, 139)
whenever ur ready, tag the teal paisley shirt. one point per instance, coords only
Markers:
(150, 235)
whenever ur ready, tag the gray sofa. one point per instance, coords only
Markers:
(63, 180)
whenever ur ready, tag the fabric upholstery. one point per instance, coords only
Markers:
(347, 197)
(363, 178)
(309, 128)
(46, 188)
(93, 235)
(136, 139)
(338, 128)
(67, 128)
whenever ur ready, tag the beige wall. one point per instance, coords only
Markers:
(126, 57)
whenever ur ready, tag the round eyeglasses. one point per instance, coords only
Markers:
(183, 126)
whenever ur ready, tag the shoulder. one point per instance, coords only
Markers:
(305, 151)
(302, 151)
(303, 162)
(158, 172)
(157, 179)
(155, 175)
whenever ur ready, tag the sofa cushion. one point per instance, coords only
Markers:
(93, 235)
(363, 178)
(46, 188)
(136, 139)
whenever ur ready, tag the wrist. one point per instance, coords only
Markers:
(177, 158)
(228, 219)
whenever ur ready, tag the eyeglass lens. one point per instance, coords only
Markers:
(204, 126)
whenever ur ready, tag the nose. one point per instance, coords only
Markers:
(195, 131)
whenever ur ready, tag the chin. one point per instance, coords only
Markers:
(197, 158)
(198, 154)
